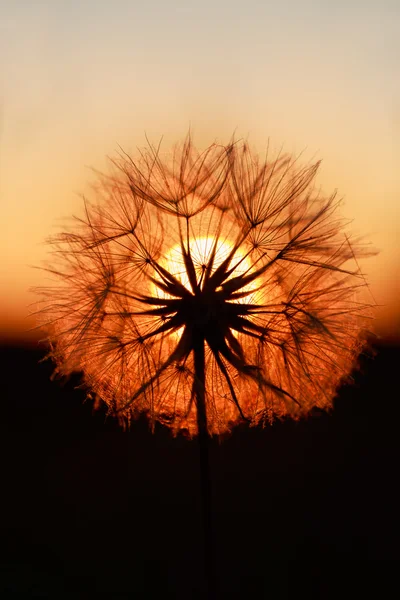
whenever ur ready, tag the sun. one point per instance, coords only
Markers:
(200, 249)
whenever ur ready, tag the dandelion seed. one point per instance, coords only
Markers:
(208, 290)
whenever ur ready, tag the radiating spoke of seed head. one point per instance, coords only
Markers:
(212, 282)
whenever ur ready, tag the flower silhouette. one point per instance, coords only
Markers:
(206, 289)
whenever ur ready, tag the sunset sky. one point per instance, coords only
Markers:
(80, 78)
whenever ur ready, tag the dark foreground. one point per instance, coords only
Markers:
(309, 508)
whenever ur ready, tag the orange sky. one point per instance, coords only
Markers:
(76, 82)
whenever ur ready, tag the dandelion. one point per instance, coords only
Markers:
(207, 289)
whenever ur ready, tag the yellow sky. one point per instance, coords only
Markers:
(76, 82)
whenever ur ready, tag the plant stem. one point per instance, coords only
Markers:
(203, 436)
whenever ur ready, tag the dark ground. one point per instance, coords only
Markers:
(301, 509)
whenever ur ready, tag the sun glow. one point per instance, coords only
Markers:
(200, 250)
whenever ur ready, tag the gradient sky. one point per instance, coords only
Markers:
(79, 78)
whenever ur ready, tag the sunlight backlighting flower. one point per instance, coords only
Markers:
(206, 290)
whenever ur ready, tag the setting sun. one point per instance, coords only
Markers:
(200, 250)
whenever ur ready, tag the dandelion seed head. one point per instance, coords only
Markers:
(217, 283)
